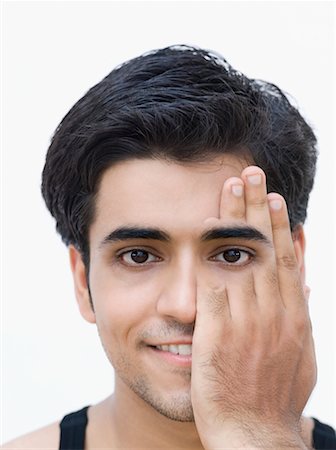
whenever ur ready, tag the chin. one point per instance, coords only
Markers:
(174, 405)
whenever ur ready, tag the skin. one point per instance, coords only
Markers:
(253, 362)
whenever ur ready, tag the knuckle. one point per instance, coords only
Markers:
(297, 287)
(280, 225)
(287, 262)
(236, 212)
(301, 325)
(239, 213)
(259, 202)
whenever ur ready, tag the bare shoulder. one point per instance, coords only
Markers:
(46, 438)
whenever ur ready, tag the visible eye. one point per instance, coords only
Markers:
(234, 256)
(136, 257)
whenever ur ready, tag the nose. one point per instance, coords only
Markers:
(177, 299)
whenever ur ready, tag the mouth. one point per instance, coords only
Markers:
(180, 349)
(176, 354)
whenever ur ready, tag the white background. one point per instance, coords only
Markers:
(53, 52)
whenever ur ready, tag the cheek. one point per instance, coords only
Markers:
(123, 301)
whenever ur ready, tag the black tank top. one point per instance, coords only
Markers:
(73, 428)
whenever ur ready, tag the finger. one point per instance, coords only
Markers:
(232, 204)
(257, 210)
(242, 299)
(251, 208)
(213, 323)
(290, 285)
(258, 217)
(225, 312)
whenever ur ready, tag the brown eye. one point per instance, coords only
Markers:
(234, 257)
(139, 256)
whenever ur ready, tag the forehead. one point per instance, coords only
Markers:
(173, 196)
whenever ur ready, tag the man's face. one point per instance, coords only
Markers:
(144, 289)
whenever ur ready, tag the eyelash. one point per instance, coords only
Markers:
(249, 254)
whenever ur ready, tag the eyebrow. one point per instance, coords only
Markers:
(132, 232)
(129, 233)
(248, 233)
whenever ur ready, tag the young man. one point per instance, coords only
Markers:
(180, 187)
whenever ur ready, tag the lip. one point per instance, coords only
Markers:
(171, 358)
(177, 341)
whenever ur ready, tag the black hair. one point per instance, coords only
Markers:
(183, 104)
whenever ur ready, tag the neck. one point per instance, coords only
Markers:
(127, 421)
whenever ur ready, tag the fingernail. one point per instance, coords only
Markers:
(254, 179)
(276, 204)
(237, 190)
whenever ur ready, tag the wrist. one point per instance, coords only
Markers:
(254, 439)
